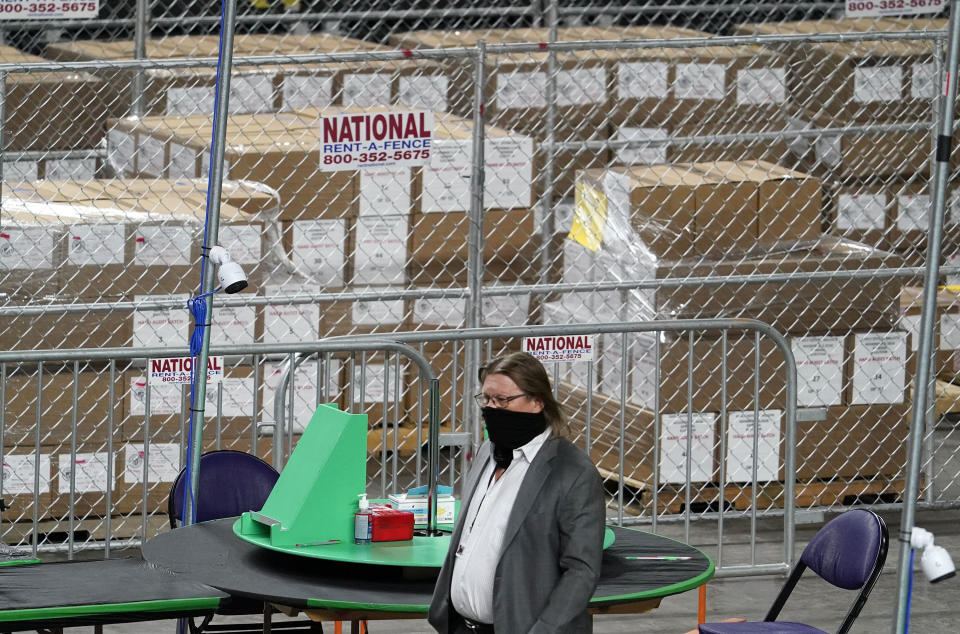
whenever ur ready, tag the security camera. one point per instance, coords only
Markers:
(231, 276)
(935, 561)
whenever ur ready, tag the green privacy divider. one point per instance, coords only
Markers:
(316, 495)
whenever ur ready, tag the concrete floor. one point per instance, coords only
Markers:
(934, 609)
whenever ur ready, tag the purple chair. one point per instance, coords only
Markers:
(848, 552)
(231, 482)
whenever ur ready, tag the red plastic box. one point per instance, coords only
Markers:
(390, 525)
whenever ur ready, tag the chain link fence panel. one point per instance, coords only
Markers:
(781, 176)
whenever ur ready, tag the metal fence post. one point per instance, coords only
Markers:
(475, 239)
(141, 26)
(214, 188)
(928, 316)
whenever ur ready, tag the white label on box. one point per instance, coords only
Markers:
(305, 397)
(160, 328)
(913, 212)
(151, 159)
(163, 462)
(188, 100)
(861, 211)
(644, 392)
(501, 311)
(642, 80)
(380, 254)
(828, 149)
(700, 81)
(440, 311)
(242, 241)
(156, 245)
(205, 165)
(953, 259)
(290, 323)
(29, 248)
(233, 396)
(446, 177)
(89, 472)
(366, 89)
(761, 86)
(65, 169)
(923, 83)
(249, 94)
(911, 323)
(21, 171)
(29, 10)
(164, 399)
(642, 155)
(121, 149)
(819, 370)
(676, 430)
(378, 312)
(611, 361)
(233, 325)
(742, 430)
(385, 191)
(372, 380)
(183, 162)
(318, 248)
(949, 332)
(954, 206)
(426, 92)
(95, 245)
(560, 348)
(307, 91)
(581, 86)
(877, 83)
(19, 471)
(180, 370)
(879, 367)
(508, 181)
(521, 90)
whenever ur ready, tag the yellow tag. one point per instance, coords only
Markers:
(589, 216)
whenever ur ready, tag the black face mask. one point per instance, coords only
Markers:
(509, 430)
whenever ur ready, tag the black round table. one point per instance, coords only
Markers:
(637, 571)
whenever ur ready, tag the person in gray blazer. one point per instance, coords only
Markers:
(525, 551)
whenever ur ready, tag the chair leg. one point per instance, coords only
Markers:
(702, 604)
(267, 617)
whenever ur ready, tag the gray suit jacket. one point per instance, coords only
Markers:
(552, 547)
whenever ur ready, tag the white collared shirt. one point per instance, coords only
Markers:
(478, 553)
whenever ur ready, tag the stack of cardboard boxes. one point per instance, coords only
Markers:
(659, 223)
(876, 182)
(384, 230)
(261, 88)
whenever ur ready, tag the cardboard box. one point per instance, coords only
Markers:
(638, 128)
(720, 205)
(123, 237)
(862, 155)
(93, 411)
(516, 86)
(280, 150)
(95, 473)
(858, 82)
(796, 306)
(854, 442)
(443, 185)
(266, 88)
(439, 240)
(77, 99)
(58, 329)
(946, 330)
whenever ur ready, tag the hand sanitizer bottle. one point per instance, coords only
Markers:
(362, 526)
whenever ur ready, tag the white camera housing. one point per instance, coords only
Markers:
(935, 562)
(231, 275)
